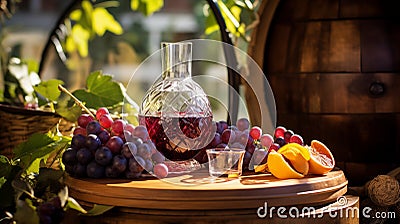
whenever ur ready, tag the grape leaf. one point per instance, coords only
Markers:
(147, 7)
(103, 20)
(73, 204)
(101, 91)
(70, 113)
(33, 143)
(49, 89)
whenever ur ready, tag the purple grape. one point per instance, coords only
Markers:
(69, 157)
(84, 156)
(250, 148)
(243, 138)
(144, 151)
(129, 150)
(280, 141)
(110, 172)
(93, 127)
(148, 165)
(243, 124)
(80, 170)
(69, 169)
(78, 141)
(132, 175)
(228, 136)
(221, 126)
(287, 135)
(246, 159)
(103, 156)
(95, 170)
(136, 164)
(158, 157)
(135, 140)
(115, 144)
(215, 141)
(92, 142)
(104, 136)
(119, 163)
(141, 132)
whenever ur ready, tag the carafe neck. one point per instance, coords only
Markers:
(176, 60)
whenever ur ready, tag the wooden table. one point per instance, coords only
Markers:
(195, 198)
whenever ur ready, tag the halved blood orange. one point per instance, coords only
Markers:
(321, 159)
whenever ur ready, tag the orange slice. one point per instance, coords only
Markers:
(280, 168)
(321, 160)
(296, 147)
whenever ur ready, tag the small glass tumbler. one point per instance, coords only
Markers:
(225, 162)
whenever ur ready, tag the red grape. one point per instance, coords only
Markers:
(106, 121)
(274, 146)
(84, 120)
(280, 132)
(160, 170)
(79, 130)
(296, 139)
(118, 126)
(266, 140)
(243, 124)
(130, 128)
(101, 111)
(255, 132)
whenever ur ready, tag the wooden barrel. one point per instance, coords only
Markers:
(193, 198)
(334, 69)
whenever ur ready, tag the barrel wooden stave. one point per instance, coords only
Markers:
(334, 69)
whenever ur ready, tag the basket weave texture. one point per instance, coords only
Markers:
(17, 124)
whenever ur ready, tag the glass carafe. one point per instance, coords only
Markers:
(175, 110)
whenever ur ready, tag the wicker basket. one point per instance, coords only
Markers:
(17, 124)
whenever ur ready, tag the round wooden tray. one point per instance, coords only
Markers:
(197, 192)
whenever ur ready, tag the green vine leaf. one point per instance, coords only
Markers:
(49, 89)
(147, 7)
(73, 204)
(103, 21)
(101, 91)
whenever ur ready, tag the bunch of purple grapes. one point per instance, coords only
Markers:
(103, 147)
(239, 136)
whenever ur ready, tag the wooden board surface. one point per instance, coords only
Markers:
(196, 192)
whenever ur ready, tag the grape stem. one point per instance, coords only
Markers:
(77, 101)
